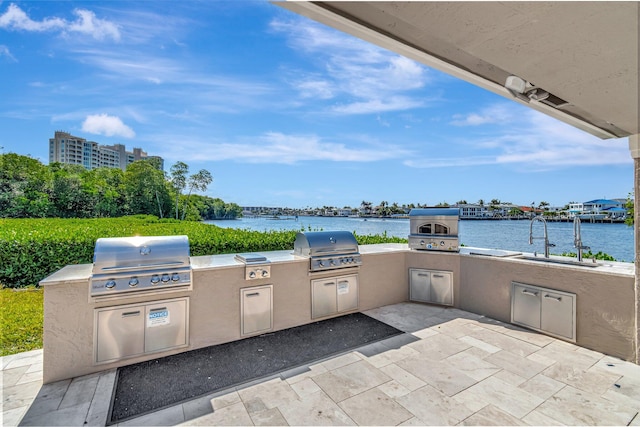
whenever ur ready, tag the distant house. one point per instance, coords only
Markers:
(601, 207)
(472, 210)
(531, 210)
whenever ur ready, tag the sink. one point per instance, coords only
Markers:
(564, 261)
(489, 252)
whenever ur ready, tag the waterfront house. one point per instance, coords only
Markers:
(601, 205)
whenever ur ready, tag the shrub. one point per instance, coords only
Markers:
(32, 249)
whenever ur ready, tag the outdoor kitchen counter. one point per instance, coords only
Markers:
(68, 274)
(284, 256)
(228, 260)
(481, 284)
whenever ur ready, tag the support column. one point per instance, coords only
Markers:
(634, 148)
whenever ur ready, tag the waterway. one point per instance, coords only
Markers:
(613, 239)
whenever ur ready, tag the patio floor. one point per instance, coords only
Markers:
(451, 368)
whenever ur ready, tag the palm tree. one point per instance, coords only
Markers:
(366, 207)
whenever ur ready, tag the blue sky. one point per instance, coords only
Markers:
(282, 111)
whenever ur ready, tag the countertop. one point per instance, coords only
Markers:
(82, 272)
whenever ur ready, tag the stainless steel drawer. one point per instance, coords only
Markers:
(256, 309)
(120, 333)
(546, 310)
(525, 307)
(135, 329)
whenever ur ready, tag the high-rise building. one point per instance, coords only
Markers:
(66, 148)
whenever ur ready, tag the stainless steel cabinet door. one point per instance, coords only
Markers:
(347, 290)
(525, 305)
(165, 325)
(323, 298)
(256, 309)
(119, 333)
(419, 285)
(558, 314)
(441, 291)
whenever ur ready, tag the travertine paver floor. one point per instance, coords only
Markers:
(450, 368)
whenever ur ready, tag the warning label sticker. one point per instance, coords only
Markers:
(343, 288)
(158, 317)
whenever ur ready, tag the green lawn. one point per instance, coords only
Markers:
(21, 320)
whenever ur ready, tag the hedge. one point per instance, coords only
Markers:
(32, 249)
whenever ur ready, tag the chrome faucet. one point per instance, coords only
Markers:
(577, 238)
(547, 245)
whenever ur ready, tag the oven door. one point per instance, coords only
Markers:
(434, 228)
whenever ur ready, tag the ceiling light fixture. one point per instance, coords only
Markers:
(523, 90)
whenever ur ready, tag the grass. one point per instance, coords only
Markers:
(21, 319)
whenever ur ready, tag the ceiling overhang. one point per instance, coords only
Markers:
(582, 57)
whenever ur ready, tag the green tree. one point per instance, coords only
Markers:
(199, 182)
(25, 187)
(178, 174)
(105, 188)
(67, 195)
(630, 206)
(366, 207)
(145, 189)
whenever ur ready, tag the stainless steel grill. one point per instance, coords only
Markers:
(135, 264)
(328, 250)
(434, 229)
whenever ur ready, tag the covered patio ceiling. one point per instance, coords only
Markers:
(575, 61)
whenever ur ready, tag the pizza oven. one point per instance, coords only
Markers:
(434, 229)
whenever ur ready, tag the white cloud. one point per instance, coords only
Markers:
(494, 114)
(314, 88)
(4, 51)
(353, 68)
(279, 148)
(533, 140)
(103, 124)
(378, 105)
(85, 23)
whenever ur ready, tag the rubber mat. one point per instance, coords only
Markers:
(152, 385)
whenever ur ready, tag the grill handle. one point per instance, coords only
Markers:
(160, 264)
(131, 313)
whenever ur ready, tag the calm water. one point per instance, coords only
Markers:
(613, 239)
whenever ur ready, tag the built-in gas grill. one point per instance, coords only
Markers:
(328, 250)
(434, 229)
(123, 265)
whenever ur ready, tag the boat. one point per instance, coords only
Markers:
(591, 216)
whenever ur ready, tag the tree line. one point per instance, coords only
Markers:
(30, 189)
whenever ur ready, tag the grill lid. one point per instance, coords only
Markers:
(323, 243)
(121, 254)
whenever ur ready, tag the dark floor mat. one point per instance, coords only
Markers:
(149, 386)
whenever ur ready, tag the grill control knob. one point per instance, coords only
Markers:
(265, 273)
(331, 262)
(133, 282)
(155, 279)
(252, 275)
(165, 278)
(320, 264)
(175, 277)
(110, 284)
